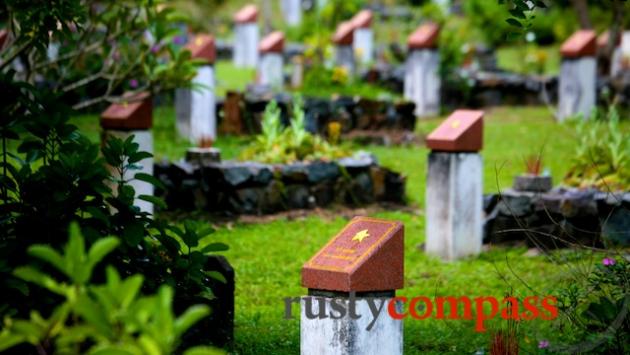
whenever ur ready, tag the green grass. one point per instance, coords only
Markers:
(267, 257)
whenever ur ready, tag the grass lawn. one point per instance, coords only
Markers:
(267, 257)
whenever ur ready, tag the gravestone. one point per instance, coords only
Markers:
(363, 41)
(363, 263)
(576, 89)
(297, 72)
(422, 79)
(454, 187)
(625, 50)
(608, 66)
(195, 107)
(271, 60)
(344, 52)
(134, 116)
(246, 36)
(292, 10)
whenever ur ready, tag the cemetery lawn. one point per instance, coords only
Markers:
(268, 256)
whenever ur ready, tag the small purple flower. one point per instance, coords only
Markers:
(133, 83)
(543, 344)
(608, 261)
(179, 40)
(155, 48)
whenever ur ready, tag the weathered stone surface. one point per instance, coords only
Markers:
(616, 226)
(515, 204)
(577, 87)
(367, 255)
(347, 336)
(319, 171)
(237, 174)
(362, 161)
(203, 156)
(297, 196)
(532, 183)
(454, 214)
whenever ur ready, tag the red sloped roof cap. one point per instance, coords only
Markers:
(363, 19)
(425, 36)
(582, 43)
(462, 131)
(344, 33)
(135, 113)
(273, 42)
(202, 46)
(249, 13)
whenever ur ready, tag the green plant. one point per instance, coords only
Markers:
(602, 154)
(277, 144)
(97, 319)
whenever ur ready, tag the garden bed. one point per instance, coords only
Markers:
(253, 188)
(558, 218)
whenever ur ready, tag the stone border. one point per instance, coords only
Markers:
(254, 188)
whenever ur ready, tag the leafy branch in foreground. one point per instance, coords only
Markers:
(98, 319)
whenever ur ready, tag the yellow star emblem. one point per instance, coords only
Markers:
(361, 235)
(455, 124)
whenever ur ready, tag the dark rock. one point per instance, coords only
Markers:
(273, 199)
(360, 162)
(394, 187)
(295, 172)
(532, 183)
(515, 204)
(319, 171)
(616, 227)
(248, 200)
(238, 174)
(362, 188)
(490, 202)
(203, 156)
(297, 196)
(579, 203)
(324, 193)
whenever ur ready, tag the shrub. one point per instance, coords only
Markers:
(97, 319)
(277, 144)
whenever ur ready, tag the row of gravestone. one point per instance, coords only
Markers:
(242, 113)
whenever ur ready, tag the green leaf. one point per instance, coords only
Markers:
(32, 275)
(204, 350)
(154, 200)
(49, 255)
(216, 275)
(100, 249)
(191, 316)
(514, 22)
(138, 156)
(9, 340)
(150, 179)
(214, 247)
(517, 13)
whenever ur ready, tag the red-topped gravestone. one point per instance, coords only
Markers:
(132, 117)
(4, 36)
(578, 74)
(462, 131)
(344, 33)
(367, 255)
(247, 14)
(273, 42)
(362, 19)
(134, 113)
(202, 47)
(582, 43)
(453, 207)
(424, 37)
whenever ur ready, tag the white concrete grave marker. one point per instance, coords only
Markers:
(344, 51)
(422, 80)
(453, 205)
(246, 34)
(270, 71)
(196, 107)
(292, 11)
(363, 41)
(578, 71)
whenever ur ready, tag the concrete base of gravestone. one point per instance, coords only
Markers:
(195, 107)
(576, 90)
(344, 57)
(297, 74)
(203, 156)
(363, 43)
(292, 10)
(347, 336)
(454, 210)
(422, 81)
(144, 138)
(270, 71)
(246, 45)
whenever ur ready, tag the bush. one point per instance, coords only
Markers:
(97, 319)
(277, 144)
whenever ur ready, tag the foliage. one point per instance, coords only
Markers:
(103, 49)
(278, 144)
(322, 82)
(602, 153)
(597, 308)
(97, 319)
